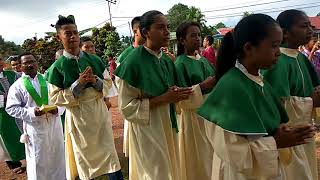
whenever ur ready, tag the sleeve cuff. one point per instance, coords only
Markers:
(30, 111)
(99, 84)
(145, 113)
(76, 88)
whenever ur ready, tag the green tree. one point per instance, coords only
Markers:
(106, 40)
(44, 49)
(245, 14)
(8, 48)
(177, 14)
(318, 14)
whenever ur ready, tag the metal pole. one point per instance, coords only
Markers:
(109, 7)
(110, 14)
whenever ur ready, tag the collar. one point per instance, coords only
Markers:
(196, 57)
(289, 52)
(157, 55)
(71, 56)
(24, 75)
(257, 79)
(1, 74)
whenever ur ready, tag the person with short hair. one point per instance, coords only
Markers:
(76, 82)
(209, 52)
(42, 130)
(11, 150)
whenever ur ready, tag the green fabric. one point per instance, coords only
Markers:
(144, 71)
(39, 100)
(8, 128)
(64, 71)
(124, 54)
(286, 79)
(191, 72)
(240, 105)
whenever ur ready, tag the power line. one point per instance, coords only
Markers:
(272, 11)
(237, 7)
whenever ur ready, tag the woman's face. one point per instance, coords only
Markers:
(159, 33)
(266, 53)
(300, 32)
(192, 40)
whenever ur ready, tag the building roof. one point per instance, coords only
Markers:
(315, 21)
(224, 31)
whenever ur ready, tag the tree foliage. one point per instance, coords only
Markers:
(181, 12)
(106, 40)
(44, 49)
(8, 48)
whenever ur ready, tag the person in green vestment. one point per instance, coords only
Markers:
(193, 71)
(138, 40)
(247, 122)
(148, 92)
(11, 150)
(295, 81)
(76, 82)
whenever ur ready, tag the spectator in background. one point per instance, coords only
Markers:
(87, 45)
(112, 66)
(16, 64)
(208, 52)
(311, 51)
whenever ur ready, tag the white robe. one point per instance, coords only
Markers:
(45, 146)
(153, 143)
(195, 150)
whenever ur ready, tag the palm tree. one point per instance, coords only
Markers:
(196, 15)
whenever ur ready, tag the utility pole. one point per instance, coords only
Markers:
(109, 4)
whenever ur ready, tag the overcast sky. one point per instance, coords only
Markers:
(22, 19)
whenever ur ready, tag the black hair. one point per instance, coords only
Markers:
(253, 29)
(286, 19)
(25, 54)
(84, 39)
(64, 21)
(181, 33)
(135, 20)
(147, 19)
(15, 58)
(210, 39)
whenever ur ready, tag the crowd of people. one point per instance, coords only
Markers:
(247, 112)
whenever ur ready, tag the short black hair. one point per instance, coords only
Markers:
(84, 39)
(135, 20)
(25, 54)
(64, 21)
(15, 58)
(286, 19)
(210, 39)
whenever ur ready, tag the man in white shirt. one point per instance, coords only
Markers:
(43, 135)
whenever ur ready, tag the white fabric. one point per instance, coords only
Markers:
(113, 91)
(153, 144)
(195, 151)
(238, 158)
(90, 149)
(4, 155)
(1, 101)
(45, 147)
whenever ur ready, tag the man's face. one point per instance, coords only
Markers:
(29, 65)
(69, 36)
(88, 47)
(16, 66)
